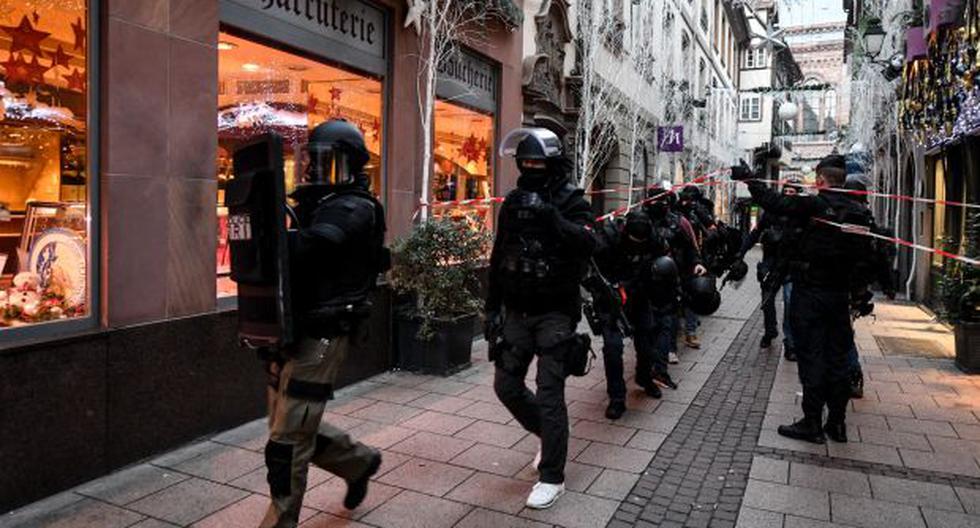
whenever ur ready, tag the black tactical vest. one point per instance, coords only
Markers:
(830, 257)
(537, 272)
(333, 279)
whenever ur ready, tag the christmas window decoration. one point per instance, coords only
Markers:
(44, 176)
(263, 89)
(940, 93)
(463, 165)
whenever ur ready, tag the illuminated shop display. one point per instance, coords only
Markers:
(44, 177)
(463, 162)
(263, 89)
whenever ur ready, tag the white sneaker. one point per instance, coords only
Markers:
(672, 358)
(544, 495)
(537, 460)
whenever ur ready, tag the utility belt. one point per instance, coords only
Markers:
(576, 351)
(335, 319)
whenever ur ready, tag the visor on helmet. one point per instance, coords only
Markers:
(548, 142)
(326, 165)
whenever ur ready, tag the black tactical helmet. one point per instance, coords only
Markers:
(336, 154)
(638, 225)
(536, 150)
(664, 269)
(660, 198)
(691, 193)
(737, 271)
(702, 295)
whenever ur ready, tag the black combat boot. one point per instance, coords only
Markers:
(806, 430)
(857, 385)
(767, 340)
(837, 431)
(615, 409)
(789, 354)
(357, 489)
(664, 379)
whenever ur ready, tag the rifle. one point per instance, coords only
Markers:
(774, 279)
(606, 300)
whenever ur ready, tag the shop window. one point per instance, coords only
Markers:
(463, 163)
(264, 89)
(45, 229)
(939, 212)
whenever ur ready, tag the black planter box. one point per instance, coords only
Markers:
(968, 347)
(449, 351)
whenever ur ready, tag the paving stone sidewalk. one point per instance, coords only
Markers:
(453, 456)
(705, 455)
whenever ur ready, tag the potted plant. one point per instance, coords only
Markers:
(960, 296)
(436, 268)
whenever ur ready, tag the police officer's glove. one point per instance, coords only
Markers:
(742, 171)
(492, 325)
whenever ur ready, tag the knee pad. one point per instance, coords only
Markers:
(279, 463)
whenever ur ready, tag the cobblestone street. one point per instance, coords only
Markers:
(705, 455)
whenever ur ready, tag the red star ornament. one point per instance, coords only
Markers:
(59, 57)
(37, 71)
(25, 37)
(16, 69)
(376, 128)
(80, 34)
(470, 149)
(76, 81)
(311, 102)
(335, 93)
(482, 146)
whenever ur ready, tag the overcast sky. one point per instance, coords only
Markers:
(805, 12)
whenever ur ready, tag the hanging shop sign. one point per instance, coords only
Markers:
(350, 31)
(467, 78)
(670, 139)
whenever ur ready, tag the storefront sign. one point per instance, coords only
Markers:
(468, 78)
(670, 139)
(351, 22)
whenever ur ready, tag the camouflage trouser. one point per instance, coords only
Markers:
(296, 434)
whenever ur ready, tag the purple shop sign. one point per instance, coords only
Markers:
(670, 139)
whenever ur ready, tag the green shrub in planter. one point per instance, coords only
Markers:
(960, 295)
(436, 266)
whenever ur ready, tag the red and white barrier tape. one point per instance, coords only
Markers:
(865, 231)
(856, 192)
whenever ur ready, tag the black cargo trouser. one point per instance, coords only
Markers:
(544, 414)
(821, 324)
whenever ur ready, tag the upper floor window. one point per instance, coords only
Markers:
(756, 58)
(751, 107)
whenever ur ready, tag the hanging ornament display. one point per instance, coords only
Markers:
(939, 86)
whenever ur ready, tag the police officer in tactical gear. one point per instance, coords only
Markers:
(779, 235)
(627, 257)
(680, 237)
(823, 269)
(338, 253)
(875, 267)
(539, 259)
